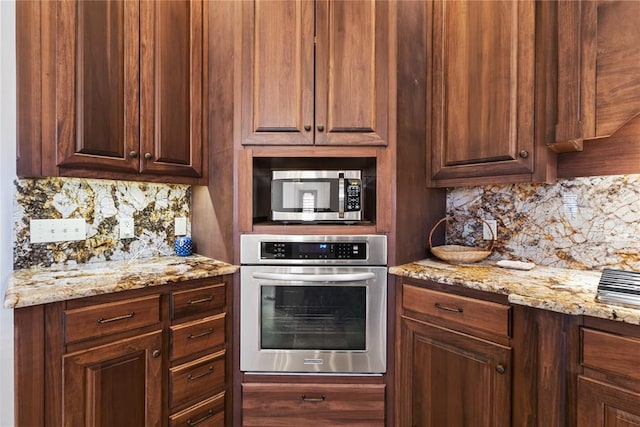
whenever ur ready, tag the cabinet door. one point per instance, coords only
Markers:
(118, 384)
(599, 57)
(353, 59)
(603, 405)
(277, 72)
(482, 61)
(97, 85)
(447, 378)
(171, 87)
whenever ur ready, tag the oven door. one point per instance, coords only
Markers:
(313, 319)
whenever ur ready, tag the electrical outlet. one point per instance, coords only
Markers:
(57, 230)
(127, 228)
(180, 225)
(486, 232)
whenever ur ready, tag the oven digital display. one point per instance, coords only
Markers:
(313, 250)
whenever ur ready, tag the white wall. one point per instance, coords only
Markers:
(7, 175)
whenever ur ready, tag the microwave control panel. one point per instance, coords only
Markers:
(353, 191)
(313, 250)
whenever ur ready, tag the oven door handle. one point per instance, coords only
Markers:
(291, 277)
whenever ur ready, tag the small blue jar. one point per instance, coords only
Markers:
(183, 246)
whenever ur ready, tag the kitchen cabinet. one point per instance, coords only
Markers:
(446, 374)
(121, 89)
(273, 404)
(486, 92)
(316, 72)
(608, 390)
(158, 355)
(598, 57)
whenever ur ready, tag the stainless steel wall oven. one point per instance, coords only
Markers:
(313, 303)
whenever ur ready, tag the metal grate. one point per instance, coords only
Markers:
(619, 287)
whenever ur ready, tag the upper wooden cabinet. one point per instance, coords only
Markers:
(598, 69)
(481, 93)
(122, 88)
(316, 72)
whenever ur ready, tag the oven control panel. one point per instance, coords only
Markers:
(313, 250)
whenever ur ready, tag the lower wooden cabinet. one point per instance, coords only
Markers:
(609, 387)
(315, 405)
(148, 357)
(451, 379)
(116, 384)
(605, 405)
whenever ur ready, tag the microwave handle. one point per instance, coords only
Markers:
(341, 196)
(344, 277)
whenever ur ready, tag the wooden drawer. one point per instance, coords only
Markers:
(469, 312)
(196, 380)
(209, 413)
(104, 319)
(193, 337)
(611, 353)
(312, 404)
(197, 301)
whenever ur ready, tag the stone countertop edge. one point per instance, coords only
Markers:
(561, 290)
(43, 285)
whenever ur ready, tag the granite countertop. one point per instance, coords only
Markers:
(42, 285)
(556, 289)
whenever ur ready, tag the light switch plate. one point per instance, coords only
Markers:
(57, 230)
(180, 225)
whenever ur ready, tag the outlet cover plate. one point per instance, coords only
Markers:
(180, 225)
(127, 228)
(57, 230)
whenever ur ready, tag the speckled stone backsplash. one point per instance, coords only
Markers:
(100, 203)
(582, 223)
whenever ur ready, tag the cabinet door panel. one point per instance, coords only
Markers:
(172, 87)
(483, 61)
(603, 405)
(123, 375)
(352, 78)
(453, 379)
(277, 88)
(97, 110)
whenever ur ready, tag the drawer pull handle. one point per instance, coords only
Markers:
(208, 332)
(201, 300)
(313, 399)
(501, 369)
(198, 421)
(115, 319)
(447, 308)
(204, 374)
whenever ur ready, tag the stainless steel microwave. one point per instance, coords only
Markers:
(316, 195)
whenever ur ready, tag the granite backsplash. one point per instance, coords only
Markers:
(580, 223)
(100, 203)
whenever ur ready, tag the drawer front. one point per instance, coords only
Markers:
(193, 337)
(104, 319)
(469, 312)
(196, 380)
(611, 353)
(197, 301)
(209, 413)
(313, 404)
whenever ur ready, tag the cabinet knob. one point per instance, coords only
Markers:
(501, 369)
(133, 154)
(524, 154)
(148, 156)
(320, 128)
(156, 354)
(307, 127)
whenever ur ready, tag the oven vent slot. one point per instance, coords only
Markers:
(619, 287)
